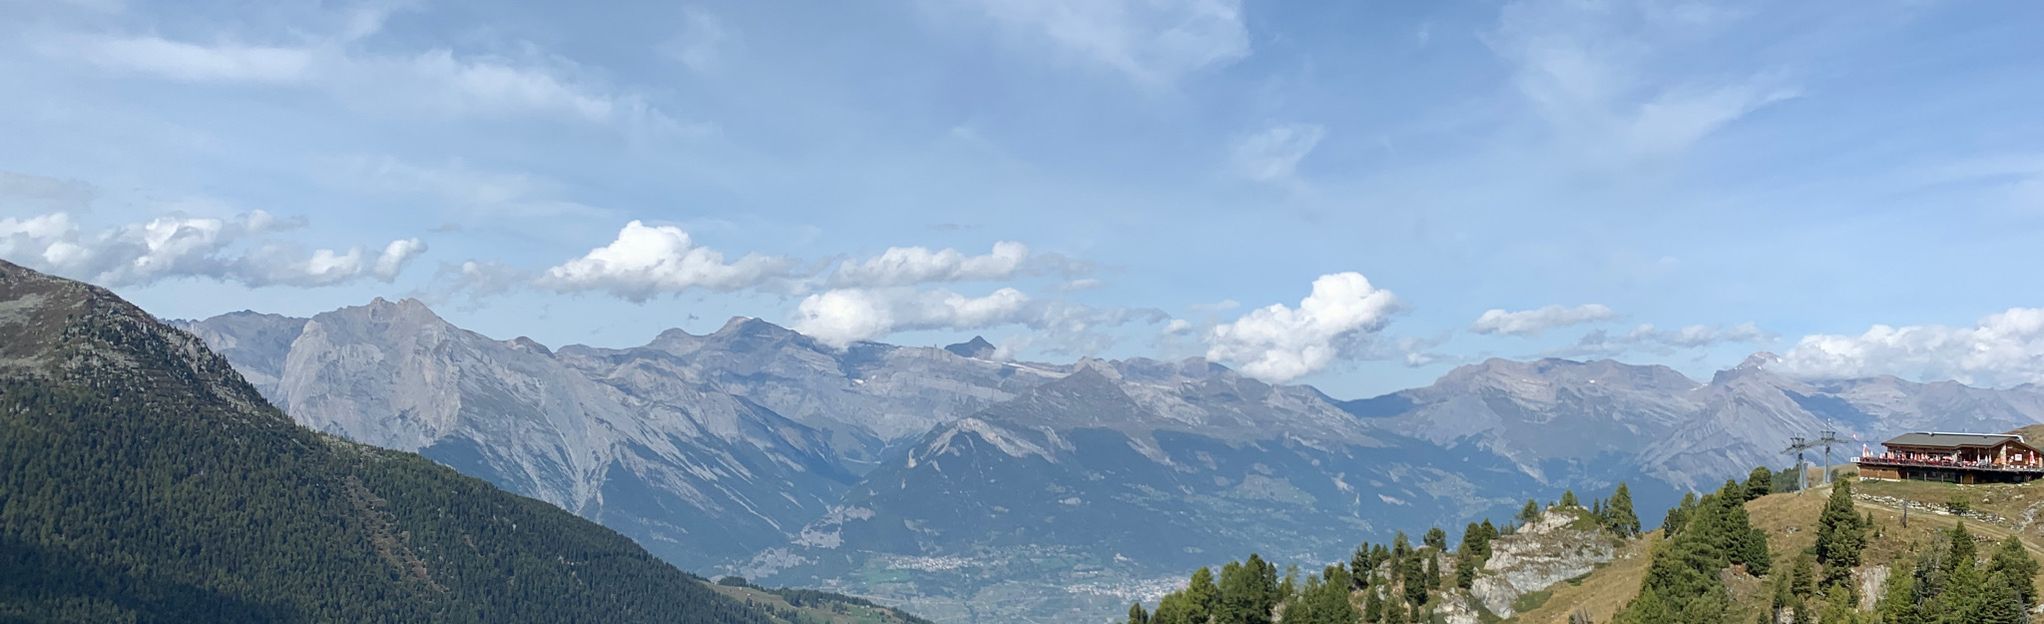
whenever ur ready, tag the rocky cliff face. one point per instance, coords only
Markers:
(697, 476)
(1561, 545)
(867, 397)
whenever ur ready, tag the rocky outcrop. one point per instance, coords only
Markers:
(1561, 545)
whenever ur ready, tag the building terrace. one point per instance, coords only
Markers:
(1965, 458)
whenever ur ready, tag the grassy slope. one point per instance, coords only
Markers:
(1790, 519)
(830, 612)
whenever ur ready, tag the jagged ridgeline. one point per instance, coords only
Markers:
(141, 479)
(1751, 551)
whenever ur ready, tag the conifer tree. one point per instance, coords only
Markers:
(1678, 516)
(1136, 614)
(1201, 594)
(1841, 535)
(1898, 603)
(1436, 539)
(1413, 580)
(1623, 521)
(1360, 567)
(1759, 483)
(2013, 562)
(1568, 499)
(1530, 512)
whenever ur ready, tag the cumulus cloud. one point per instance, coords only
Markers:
(234, 250)
(1537, 320)
(647, 260)
(1151, 41)
(844, 316)
(2005, 348)
(841, 317)
(1279, 344)
(1273, 155)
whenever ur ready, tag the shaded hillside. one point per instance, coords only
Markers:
(141, 479)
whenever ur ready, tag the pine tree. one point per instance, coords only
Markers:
(1136, 614)
(1678, 516)
(1201, 594)
(1623, 521)
(1413, 580)
(1436, 539)
(1568, 499)
(1373, 606)
(1759, 483)
(2013, 562)
(1898, 603)
(1360, 566)
(1529, 513)
(1840, 535)
(1433, 572)
(1465, 569)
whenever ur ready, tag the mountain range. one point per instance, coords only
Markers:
(145, 481)
(976, 489)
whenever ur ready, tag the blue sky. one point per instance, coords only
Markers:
(1858, 186)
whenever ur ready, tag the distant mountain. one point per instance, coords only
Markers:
(1085, 491)
(1585, 424)
(696, 476)
(978, 347)
(1560, 421)
(868, 396)
(146, 481)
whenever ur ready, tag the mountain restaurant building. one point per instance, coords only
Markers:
(1955, 458)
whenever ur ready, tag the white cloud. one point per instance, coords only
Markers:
(1279, 344)
(395, 256)
(235, 250)
(1613, 77)
(1535, 321)
(1273, 155)
(1151, 41)
(844, 316)
(902, 266)
(2006, 348)
(645, 261)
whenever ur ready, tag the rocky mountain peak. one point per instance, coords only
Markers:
(978, 348)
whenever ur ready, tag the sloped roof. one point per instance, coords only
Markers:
(1952, 440)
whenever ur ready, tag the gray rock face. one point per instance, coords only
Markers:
(867, 397)
(696, 476)
(1558, 420)
(256, 343)
(1561, 545)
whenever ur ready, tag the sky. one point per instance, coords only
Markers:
(1356, 195)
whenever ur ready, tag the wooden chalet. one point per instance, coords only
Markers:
(1955, 458)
